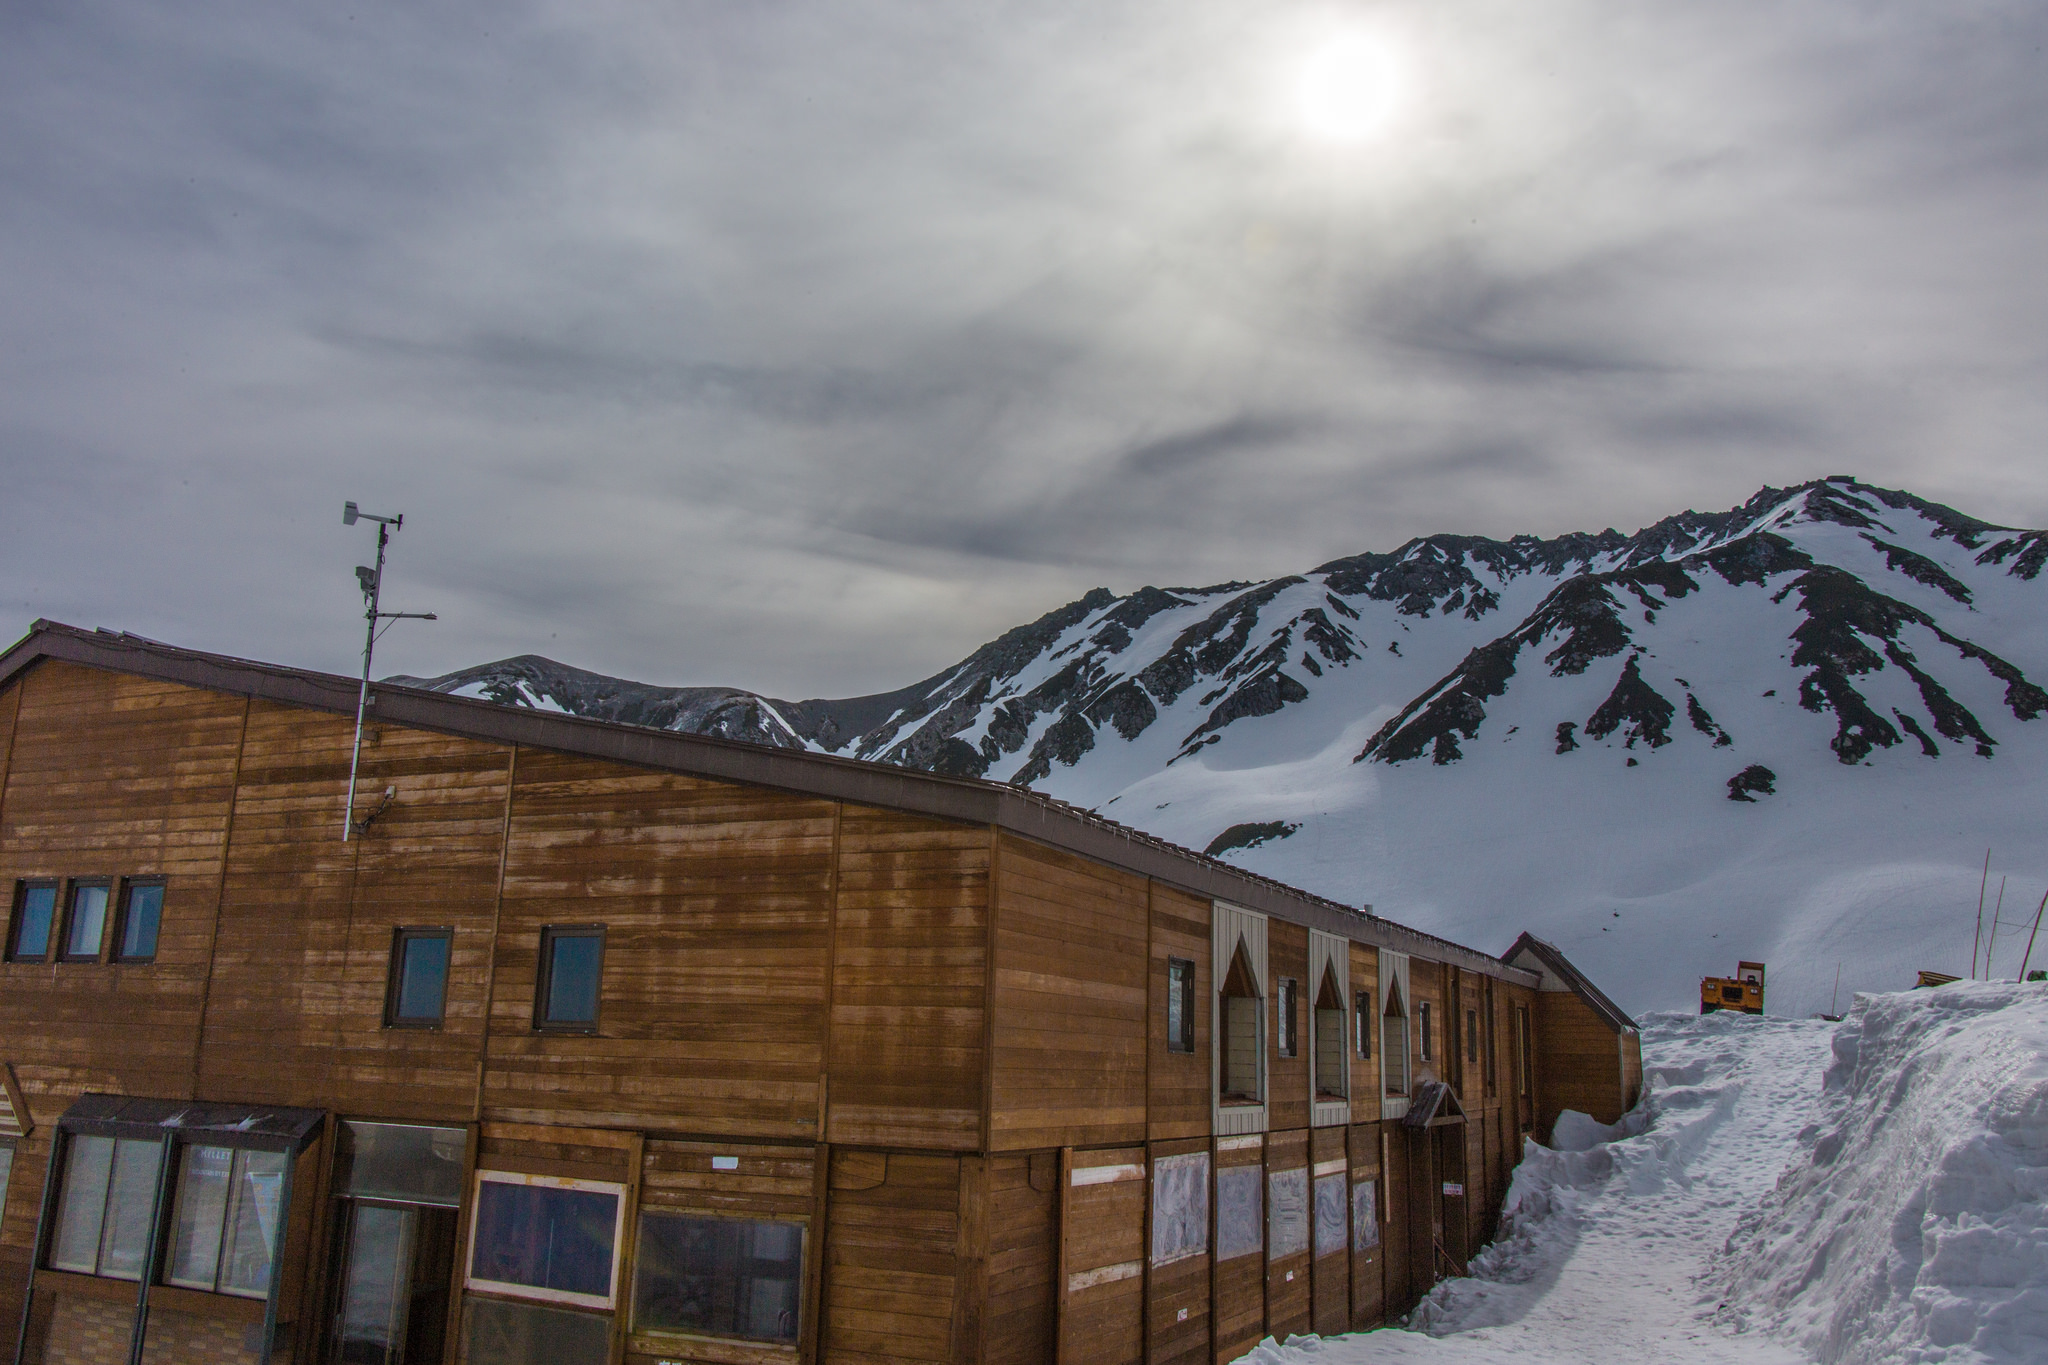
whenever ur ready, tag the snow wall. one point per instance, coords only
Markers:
(1912, 1228)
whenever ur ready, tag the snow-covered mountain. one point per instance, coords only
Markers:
(1788, 731)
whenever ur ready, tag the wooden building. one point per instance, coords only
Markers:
(602, 1044)
(1591, 1055)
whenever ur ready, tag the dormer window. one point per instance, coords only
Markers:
(1240, 1014)
(1333, 1068)
(1394, 1041)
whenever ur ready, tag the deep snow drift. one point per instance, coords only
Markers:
(1766, 1206)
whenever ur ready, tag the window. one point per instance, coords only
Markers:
(35, 915)
(417, 994)
(224, 1228)
(1364, 1041)
(545, 1237)
(1523, 1066)
(1283, 1009)
(1471, 1035)
(1427, 1051)
(104, 1206)
(400, 1187)
(1492, 1049)
(1180, 1005)
(1333, 1069)
(6, 1169)
(1394, 1042)
(142, 914)
(85, 921)
(725, 1277)
(1241, 1053)
(571, 967)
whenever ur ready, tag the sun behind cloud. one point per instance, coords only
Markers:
(1349, 87)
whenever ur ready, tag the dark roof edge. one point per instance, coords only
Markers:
(1020, 810)
(1581, 986)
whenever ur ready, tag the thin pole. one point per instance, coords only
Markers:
(1836, 998)
(2027, 956)
(1991, 944)
(1975, 944)
(348, 814)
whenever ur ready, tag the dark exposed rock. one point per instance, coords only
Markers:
(1249, 836)
(1703, 722)
(1566, 729)
(1125, 706)
(1919, 568)
(1635, 705)
(1262, 696)
(1912, 727)
(1755, 778)
(1753, 559)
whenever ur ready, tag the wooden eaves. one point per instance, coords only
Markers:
(1017, 809)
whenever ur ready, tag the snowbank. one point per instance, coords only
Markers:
(1912, 1227)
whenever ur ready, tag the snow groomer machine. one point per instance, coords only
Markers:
(1743, 991)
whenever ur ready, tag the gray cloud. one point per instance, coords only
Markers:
(805, 347)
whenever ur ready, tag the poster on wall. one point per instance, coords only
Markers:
(1239, 1219)
(1180, 1207)
(1365, 1216)
(1330, 1214)
(1287, 1215)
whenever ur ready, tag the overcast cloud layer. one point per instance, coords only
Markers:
(805, 346)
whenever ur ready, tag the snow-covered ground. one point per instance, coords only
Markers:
(1790, 1191)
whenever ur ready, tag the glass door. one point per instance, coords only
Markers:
(393, 1288)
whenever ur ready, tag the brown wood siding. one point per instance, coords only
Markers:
(1426, 987)
(1023, 1258)
(1177, 1083)
(1287, 1277)
(1578, 1062)
(1287, 1078)
(715, 902)
(1365, 1071)
(1102, 1257)
(891, 1258)
(1631, 1068)
(1368, 1265)
(1069, 1001)
(1330, 1275)
(1177, 1293)
(909, 977)
(1238, 1298)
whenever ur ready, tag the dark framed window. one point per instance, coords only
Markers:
(105, 1201)
(140, 918)
(85, 919)
(571, 972)
(223, 1226)
(1471, 1035)
(35, 921)
(1283, 1007)
(416, 996)
(1240, 1035)
(1180, 1005)
(546, 1237)
(1428, 1041)
(723, 1277)
(1364, 1044)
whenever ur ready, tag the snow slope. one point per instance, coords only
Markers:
(1906, 1226)
(1478, 737)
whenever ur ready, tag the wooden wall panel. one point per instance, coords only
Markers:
(1425, 985)
(1365, 1071)
(1177, 1316)
(1395, 1237)
(112, 775)
(1023, 1258)
(1578, 1061)
(891, 1258)
(1239, 1298)
(1330, 1272)
(1102, 1258)
(909, 982)
(1287, 1276)
(1177, 1083)
(1069, 1001)
(1287, 1078)
(1368, 1262)
(717, 906)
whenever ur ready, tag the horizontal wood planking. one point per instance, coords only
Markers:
(1365, 1071)
(1287, 1277)
(1238, 1303)
(1368, 1287)
(1287, 1083)
(909, 982)
(1069, 1001)
(890, 1264)
(1177, 1294)
(763, 1182)
(1579, 1062)
(1023, 1258)
(1178, 1083)
(1330, 1277)
(1102, 1311)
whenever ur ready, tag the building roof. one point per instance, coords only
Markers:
(1020, 810)
(1553, 963)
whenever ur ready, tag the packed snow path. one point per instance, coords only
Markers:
(1609, 1258)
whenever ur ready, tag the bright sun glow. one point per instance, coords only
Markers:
(1348, 89)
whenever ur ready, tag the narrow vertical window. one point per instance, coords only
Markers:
(1364, 1043)
(1240, 1042)
(1394, 1042)
(1523, 1066)
(1423, 1009)
(141, 917)
(35, 917)
(1283, 1006)
(571, 971)
(417, 993)
(1180, 1005)
(1333, 1072)
(85, 921)
(1471, 1035)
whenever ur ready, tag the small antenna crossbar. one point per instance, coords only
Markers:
(371, 581)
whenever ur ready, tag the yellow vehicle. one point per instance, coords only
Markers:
(1743, 991)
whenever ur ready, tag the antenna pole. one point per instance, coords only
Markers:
(1978, 942)
(1991, 944)
(348, 814)
(1836, 998)
(2028, 955)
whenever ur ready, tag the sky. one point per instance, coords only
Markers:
(805, 347)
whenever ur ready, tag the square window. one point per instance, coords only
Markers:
(85, 921)
(417, 994)
(546, 1237)
(1283, 1005)
(142, 914)
(35, 919)
(225, 1222)
(1180, 1005)
(725, 1277)
(571, 971)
